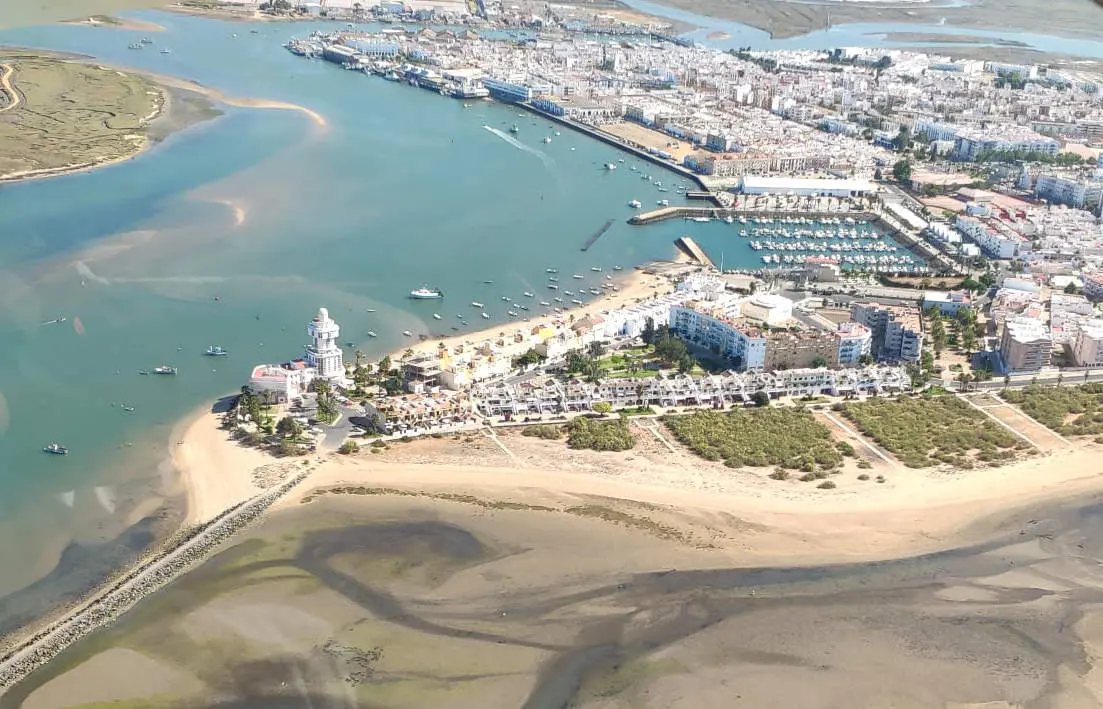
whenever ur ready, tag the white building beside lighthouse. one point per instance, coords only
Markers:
(323, 354)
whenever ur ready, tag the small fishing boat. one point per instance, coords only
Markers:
(511, 313)
(143, 371)
(407, 333)
(485, 316)
(553, 286)
(476, 304)
(128, 409)
(544, 303)
(371, 333)
(56, 449)
(551, 270)
(215, 351)
(595, 269)
(505, 298)
(489, 283)
(576, 301)
(436, 317)
(577, 276)
(528, 295)
(165, 369)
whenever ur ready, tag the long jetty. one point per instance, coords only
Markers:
(690, 212)
(183, 552)
(598, 234)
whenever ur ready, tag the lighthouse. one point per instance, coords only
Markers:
(322, 353)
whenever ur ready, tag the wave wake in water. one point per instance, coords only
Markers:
(521, 146)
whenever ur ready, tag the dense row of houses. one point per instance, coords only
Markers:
(547, 395)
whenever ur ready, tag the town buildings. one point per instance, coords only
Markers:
(323, 353)
(897, 333)
(1025, 345)
(546, 395)
(285, 382)
(947, 302)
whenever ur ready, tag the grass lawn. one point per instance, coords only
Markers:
(1068, 410)
(928, 431)
(757, 437)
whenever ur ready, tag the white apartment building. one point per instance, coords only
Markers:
(994, 244)
(1087, 351)
(897, 332)
(855, 340)
(720, 332)
(1026, 345)
(1069, 190)
(970, 143)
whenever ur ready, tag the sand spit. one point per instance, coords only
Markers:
(118, 23)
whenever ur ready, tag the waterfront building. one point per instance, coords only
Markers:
(1088, 349)
(545, 395)
(1026, 345)
(510, 91)
(281, 383)
(896, 330)
(947, 302)
(323, 353)
(806, 187)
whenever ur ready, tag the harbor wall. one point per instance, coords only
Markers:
(685, 212)
(617, 143)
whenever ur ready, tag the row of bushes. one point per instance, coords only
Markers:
(1072, 410)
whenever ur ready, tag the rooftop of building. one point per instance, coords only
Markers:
(785, 184)
(1026, 330)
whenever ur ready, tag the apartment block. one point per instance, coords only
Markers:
(1026, 345)
(897, 331)
(1087, 351)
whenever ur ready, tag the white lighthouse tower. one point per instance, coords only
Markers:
(322, 353)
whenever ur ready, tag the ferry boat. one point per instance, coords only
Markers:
(476, 304)
(216, 351)
(56, 449)
(635, 204)
(164, 369)
(426, 293)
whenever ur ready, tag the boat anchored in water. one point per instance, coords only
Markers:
(215, 351)
(528, 295)
(371, 333)
(165, 369)
(436, 317)
(58, 319)
(426, 293)
(635, 204)
(56, 449)
(407, 333)
(610, 166)
(476, 304)
(485, 316)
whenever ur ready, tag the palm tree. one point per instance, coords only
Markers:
(1006, 381)
(1060, 378)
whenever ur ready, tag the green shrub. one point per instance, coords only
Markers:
(779, 474)
(789, 438)
(349, 447)
(600, 435)
(926, 432)
(826, 485)
(807, 478)
(551, 433)
(863, 476)
(865, 464)
(1069, 410)
(845, 448)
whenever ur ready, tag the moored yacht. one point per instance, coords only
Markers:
(215, 351)
(56, 449)
(164, 369)
(426, 293)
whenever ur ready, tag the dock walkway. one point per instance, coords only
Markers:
(690, 247)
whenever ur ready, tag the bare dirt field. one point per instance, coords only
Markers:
(647, 138)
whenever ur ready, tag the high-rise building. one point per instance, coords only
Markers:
(323, 353)
(1026, 345)
(896, 330)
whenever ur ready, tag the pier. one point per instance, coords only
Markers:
(693, 212)
(695, 252)
(598, 234)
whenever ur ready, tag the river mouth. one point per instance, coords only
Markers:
(395, 602)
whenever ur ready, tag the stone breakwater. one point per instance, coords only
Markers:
(181, 553)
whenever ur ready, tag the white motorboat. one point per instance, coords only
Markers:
(425, 293)
(476, 304)
(56, 449)
(407, 333)
(486, 316)
(635, 204)
(371, 334)
(528, 295)
(436, 317)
